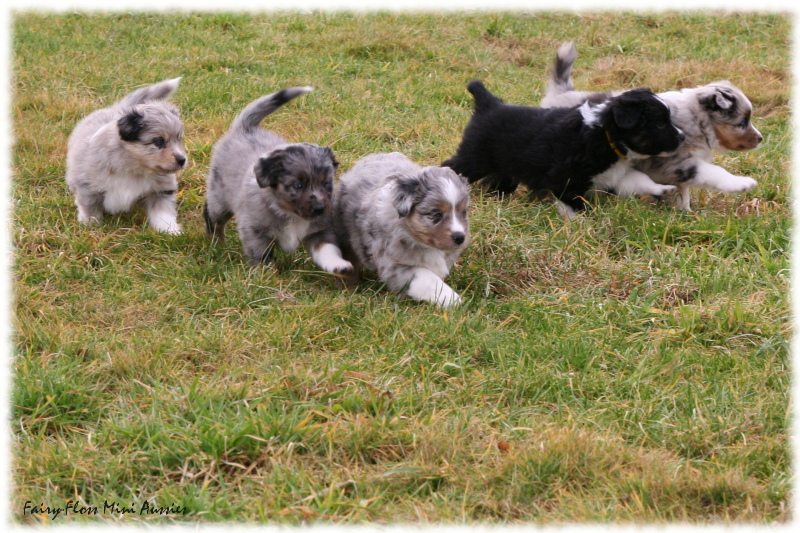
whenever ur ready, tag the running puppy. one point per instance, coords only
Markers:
(560, 149)
(278, 192)
(714, 117)
(126, 154)
(405, 222)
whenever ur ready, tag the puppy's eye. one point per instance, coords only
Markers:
(464, 213)
(298, 185)
(436, 216)
(329, 185)
(159, 142)
(744, 123)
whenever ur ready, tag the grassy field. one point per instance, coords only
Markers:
(630, 366)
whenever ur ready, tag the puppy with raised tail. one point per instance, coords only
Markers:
(405, 222)
(279, 192)
(714, 117)
(127, 154)
(560, 149)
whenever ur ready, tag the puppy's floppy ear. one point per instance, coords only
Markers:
(329, 153)
(409, 191)
(269, 168)
(130, 125)
(721, 99)
(626, 116)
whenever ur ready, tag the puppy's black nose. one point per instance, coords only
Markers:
(180, 160)
(458, 238)
(760, 138)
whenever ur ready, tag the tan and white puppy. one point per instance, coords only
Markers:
(280, 193)
(128, 154)
(715, 118)
(405, 222)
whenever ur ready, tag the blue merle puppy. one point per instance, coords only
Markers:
(405, 222)
(279, 192)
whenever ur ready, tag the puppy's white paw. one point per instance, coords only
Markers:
(566, 211)
(664, 190)
(448, 298)
(87, 220)
(171, 229)
(739, 184)
(329, 258)
(341, 266)
(427, 286)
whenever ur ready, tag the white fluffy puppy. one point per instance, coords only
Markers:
(405, 222)
(126, 154)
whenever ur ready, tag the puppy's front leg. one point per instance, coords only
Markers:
(329, 258)
(713, 177)
(327, 255)
(422, 284)
(162, 211)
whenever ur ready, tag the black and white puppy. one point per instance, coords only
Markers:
(126, 154)
(560, 149)
(405, 222)
(280, 193)
(716, 118)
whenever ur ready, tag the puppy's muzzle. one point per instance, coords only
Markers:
(316, 207)
(458, 238)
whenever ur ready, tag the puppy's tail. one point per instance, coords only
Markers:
(157, 91)
(484, 100)
(252, 115)
(561, 77)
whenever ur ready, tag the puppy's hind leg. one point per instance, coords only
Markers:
(500, 186)
(570, 204)
(257, 243)
(215, 223)
(90, 208)
(636, 183)
(683, 198)
(162, 211)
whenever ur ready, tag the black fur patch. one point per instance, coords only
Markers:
(281, 97)
(720, 101)
(130, 126)
(269, 170)
(685, 174)
(407, 194)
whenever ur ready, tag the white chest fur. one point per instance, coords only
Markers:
(125, 192)
(293, 234)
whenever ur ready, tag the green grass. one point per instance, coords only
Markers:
(630, 366)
